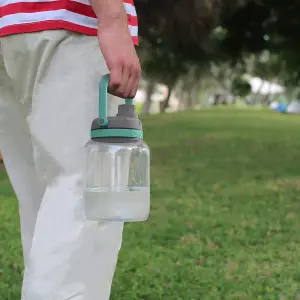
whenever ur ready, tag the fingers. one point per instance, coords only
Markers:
(115, 82)
(124, 78)
(133, 82)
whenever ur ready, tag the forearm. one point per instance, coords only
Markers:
(109, 11)
(117, 47)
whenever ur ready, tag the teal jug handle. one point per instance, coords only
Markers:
(103, 99)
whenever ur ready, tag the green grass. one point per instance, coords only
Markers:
(225, 215)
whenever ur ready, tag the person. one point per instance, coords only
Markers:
(50, 68)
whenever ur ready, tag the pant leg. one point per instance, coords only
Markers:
(16, 148)
(70, 258)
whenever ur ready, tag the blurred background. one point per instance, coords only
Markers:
(219, 100)
(231, 52)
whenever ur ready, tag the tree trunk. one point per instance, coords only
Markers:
(146, 109)
(186, 100)
(182, 103)
(165, 103)
(192, 97)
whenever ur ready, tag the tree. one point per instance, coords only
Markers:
(150, 88)
(263, 25)
(181, 34)
(175, 37)
(241, 87)
(162, 66)
(176, 22)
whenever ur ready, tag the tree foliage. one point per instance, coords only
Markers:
(258, 37)
(241, 87)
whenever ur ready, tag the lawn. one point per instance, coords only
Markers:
(225, 221)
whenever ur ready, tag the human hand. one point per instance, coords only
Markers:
(121, 58)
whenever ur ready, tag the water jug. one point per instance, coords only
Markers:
(117, 176)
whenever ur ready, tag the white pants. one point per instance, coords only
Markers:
(48, 99)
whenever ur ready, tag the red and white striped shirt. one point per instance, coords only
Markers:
(22, 16)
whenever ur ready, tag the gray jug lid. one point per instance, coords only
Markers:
(126, 118)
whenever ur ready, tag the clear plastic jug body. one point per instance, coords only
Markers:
(117, 180)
